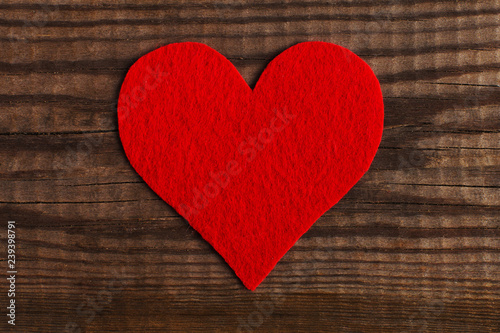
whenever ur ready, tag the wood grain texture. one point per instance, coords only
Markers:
(413, 247)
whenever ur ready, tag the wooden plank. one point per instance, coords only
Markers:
(413, 247)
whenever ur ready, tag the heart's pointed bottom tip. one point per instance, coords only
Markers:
(251, 286)
(251, 283)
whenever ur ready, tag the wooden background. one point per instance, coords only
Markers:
(413, 247)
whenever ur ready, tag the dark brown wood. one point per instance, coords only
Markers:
(413, 247)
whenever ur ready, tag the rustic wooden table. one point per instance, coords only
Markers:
(413, 247)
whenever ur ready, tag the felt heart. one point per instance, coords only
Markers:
(251, 170)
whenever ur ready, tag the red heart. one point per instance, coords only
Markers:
(251, 170)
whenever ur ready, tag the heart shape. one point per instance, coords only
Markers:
(251, 170)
